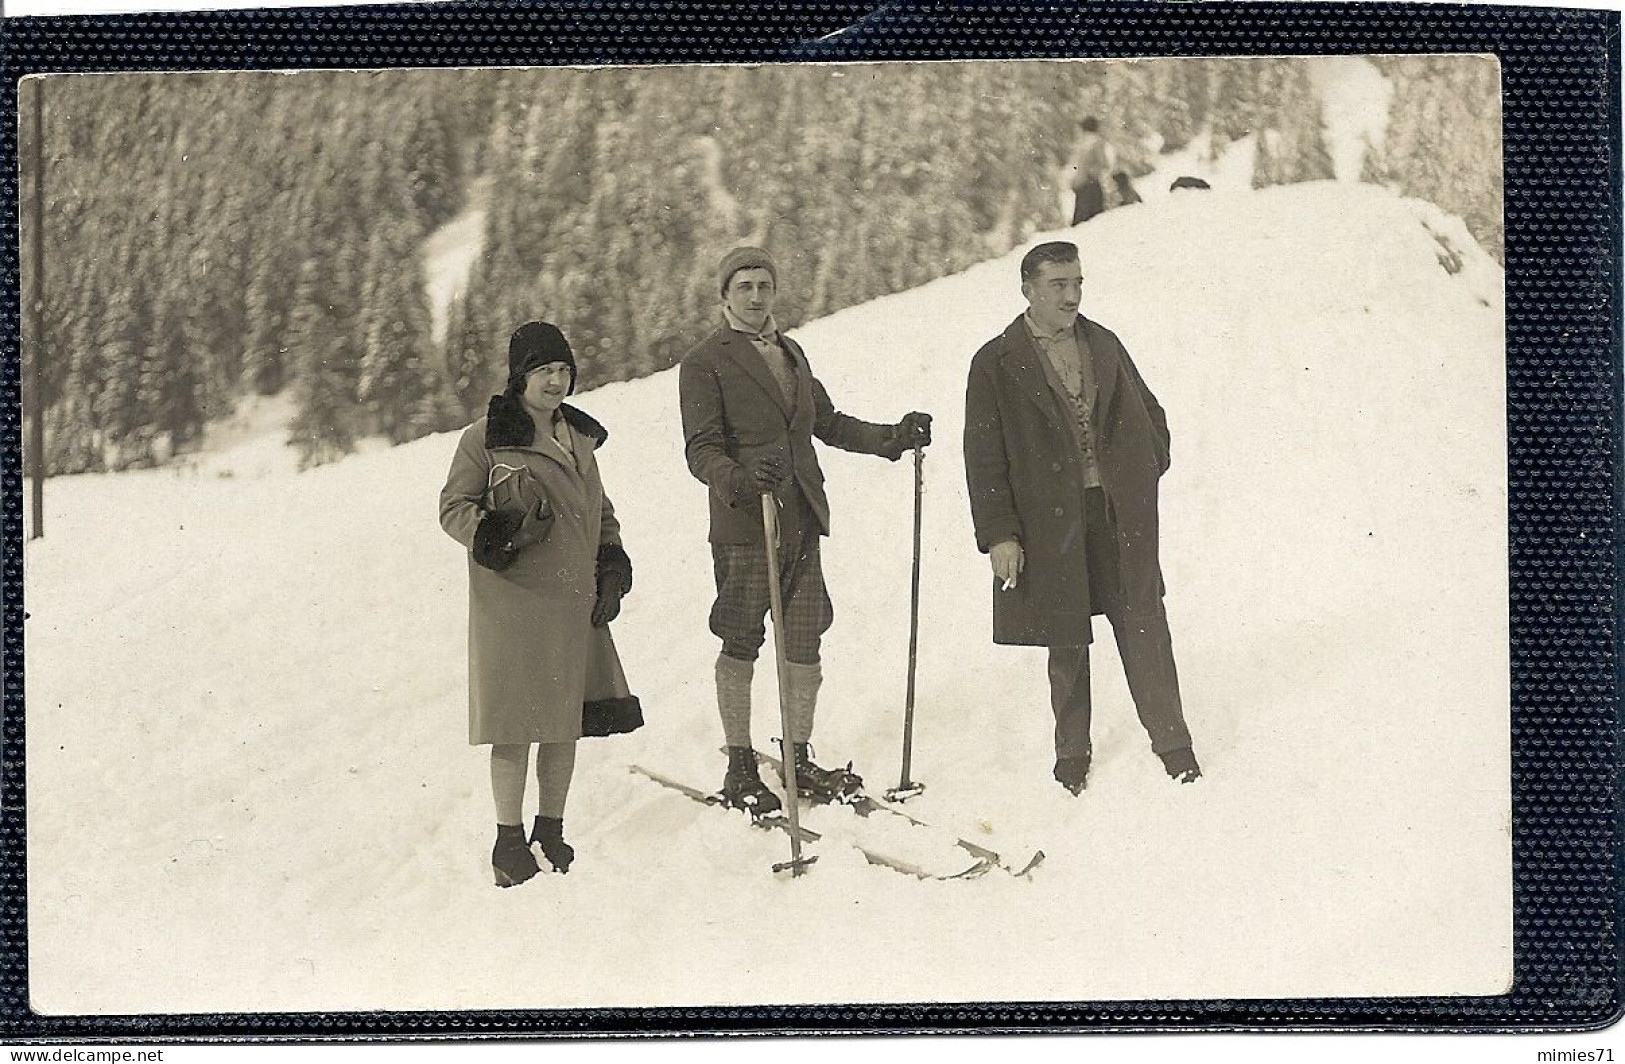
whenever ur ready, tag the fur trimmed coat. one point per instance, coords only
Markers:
(536, 664)
(1024, 469)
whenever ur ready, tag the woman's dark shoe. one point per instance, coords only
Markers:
(548, 833)
(1181, 765)
(511, 860)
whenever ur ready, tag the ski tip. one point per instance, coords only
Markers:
(977, 870)
(1036, 860)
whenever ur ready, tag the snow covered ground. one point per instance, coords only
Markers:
(249, 786)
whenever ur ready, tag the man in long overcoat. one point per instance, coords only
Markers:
(1064, 448)
(751, 408)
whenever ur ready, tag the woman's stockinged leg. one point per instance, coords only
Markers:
(508, 771)
(555, 765)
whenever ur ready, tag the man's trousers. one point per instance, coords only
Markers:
(738, 616)
(1143, 641)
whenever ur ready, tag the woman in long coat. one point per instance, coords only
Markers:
(546, 574)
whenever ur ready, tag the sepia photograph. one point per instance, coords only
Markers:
(764, 535)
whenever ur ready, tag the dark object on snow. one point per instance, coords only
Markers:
(742, 787)
(493, 540)
(548, 833)
(1089, 200)
(1072, 773)
(1125, 189)
(1182, 766)
(1188, 182)
(511, 860)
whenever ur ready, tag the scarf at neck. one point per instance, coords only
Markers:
(767, 334)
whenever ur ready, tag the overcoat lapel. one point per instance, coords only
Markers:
(798, 359)
(1102, 352)
(549, 447)
(1021, 362)
(739, 348)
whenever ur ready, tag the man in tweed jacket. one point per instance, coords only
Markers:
(751, 408)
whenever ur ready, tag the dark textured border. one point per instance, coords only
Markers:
(1562, 121)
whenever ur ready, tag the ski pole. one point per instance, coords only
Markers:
(907, 788)
(787, 755)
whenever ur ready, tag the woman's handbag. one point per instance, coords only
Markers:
(610, 707)
(515, 489)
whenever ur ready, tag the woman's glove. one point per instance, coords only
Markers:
(608, 606)
(537, 523)
(614, 581)
(493, 539)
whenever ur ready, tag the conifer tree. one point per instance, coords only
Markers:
(322, 428)
(433, 175)
(466, 353)
(169, 382)
(397, 381)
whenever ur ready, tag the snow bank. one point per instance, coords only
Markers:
(249, 785)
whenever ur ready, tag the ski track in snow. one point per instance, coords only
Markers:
(449, 254)
(249, 784)
(1354, 100)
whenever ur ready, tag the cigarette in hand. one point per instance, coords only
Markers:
(1008, 584)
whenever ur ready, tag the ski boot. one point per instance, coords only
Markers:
(548, 832)
(742, 787)
(511, 860)
(837, 785)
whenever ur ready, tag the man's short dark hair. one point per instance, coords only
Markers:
(1044, 254)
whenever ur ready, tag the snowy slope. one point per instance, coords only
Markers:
(249, 786)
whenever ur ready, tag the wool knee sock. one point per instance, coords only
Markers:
(555, 765)
(733, 698)
(508, 781)
(803, 683)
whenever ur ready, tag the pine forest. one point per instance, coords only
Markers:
(212, 237)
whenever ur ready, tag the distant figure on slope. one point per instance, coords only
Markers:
(1064, 448)
(751, 407)
(1126, 193)
(1089, 164)
(546, 572)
